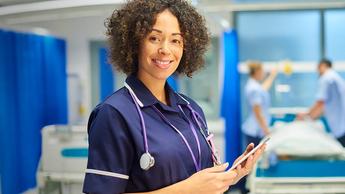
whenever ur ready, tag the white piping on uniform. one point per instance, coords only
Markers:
(106, 173)
(182, 98)
(140, 103)
(135, 96)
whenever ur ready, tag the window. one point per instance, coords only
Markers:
(205, 93)
(334, 32)
(271, 36)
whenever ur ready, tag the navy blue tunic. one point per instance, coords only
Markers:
(116, 143)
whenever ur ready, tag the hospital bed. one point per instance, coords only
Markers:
(64, 159)
(300, 158)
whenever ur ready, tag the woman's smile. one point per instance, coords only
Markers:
(161, 63)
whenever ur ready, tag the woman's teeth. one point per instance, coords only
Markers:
(163, 64)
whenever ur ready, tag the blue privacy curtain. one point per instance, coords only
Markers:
(107, 76)
(173, 82)
(33, 93)
(230, 106)
(55, 80)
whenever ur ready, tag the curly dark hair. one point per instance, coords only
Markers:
(126, 27)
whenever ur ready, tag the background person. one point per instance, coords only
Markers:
(257, 97)
(330, 100)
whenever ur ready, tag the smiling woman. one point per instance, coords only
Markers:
(131, 24)
(145, 137)
(160, 52)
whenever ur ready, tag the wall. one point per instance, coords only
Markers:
(78, 30)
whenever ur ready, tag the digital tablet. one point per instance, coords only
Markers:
(263, 141)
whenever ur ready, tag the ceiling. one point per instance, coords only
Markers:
(16, 2)
(55, 9)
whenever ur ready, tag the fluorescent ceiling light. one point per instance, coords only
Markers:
(54, 4)
(52, 17)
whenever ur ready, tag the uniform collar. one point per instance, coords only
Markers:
(254, 81)
(145, 98)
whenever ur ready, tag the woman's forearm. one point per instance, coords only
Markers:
(269, 80)
(179, 188)
(259, 117)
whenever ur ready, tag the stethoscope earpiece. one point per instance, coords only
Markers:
(146, 161)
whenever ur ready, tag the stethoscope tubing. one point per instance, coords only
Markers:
(142, 121)
(196, 164)
(195, 116)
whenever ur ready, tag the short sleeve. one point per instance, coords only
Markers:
(322, 93)
(254, 98)
(110, 152)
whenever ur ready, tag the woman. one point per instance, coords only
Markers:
(258, 99)
(145, 137)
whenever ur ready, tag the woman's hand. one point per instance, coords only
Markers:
(266, 131)
(214, 180)
(274, 72)
(302, 116)
(247, 166)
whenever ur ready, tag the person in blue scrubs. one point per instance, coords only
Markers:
(145, 137)
(256, 125)
(330, 100)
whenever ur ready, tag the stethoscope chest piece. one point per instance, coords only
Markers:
(146, 161)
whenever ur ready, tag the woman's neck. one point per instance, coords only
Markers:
(256, 78)
(156, 86)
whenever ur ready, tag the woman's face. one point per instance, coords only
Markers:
(161, 50)
(259, 74)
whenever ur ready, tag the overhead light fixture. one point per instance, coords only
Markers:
(224, 23)
(41, 31)
(54, 4)
(52, 17)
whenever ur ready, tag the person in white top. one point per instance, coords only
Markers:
(330, 100)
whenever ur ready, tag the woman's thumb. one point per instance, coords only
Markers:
(218, 168)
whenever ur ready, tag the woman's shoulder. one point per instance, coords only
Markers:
(117, 106)
(253, 87)
(117, 98)
(116, 102)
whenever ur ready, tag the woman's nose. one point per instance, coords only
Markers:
(164, 49)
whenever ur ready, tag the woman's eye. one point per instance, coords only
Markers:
(154, 39)
(177, 41)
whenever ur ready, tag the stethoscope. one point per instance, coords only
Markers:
(147, 160)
